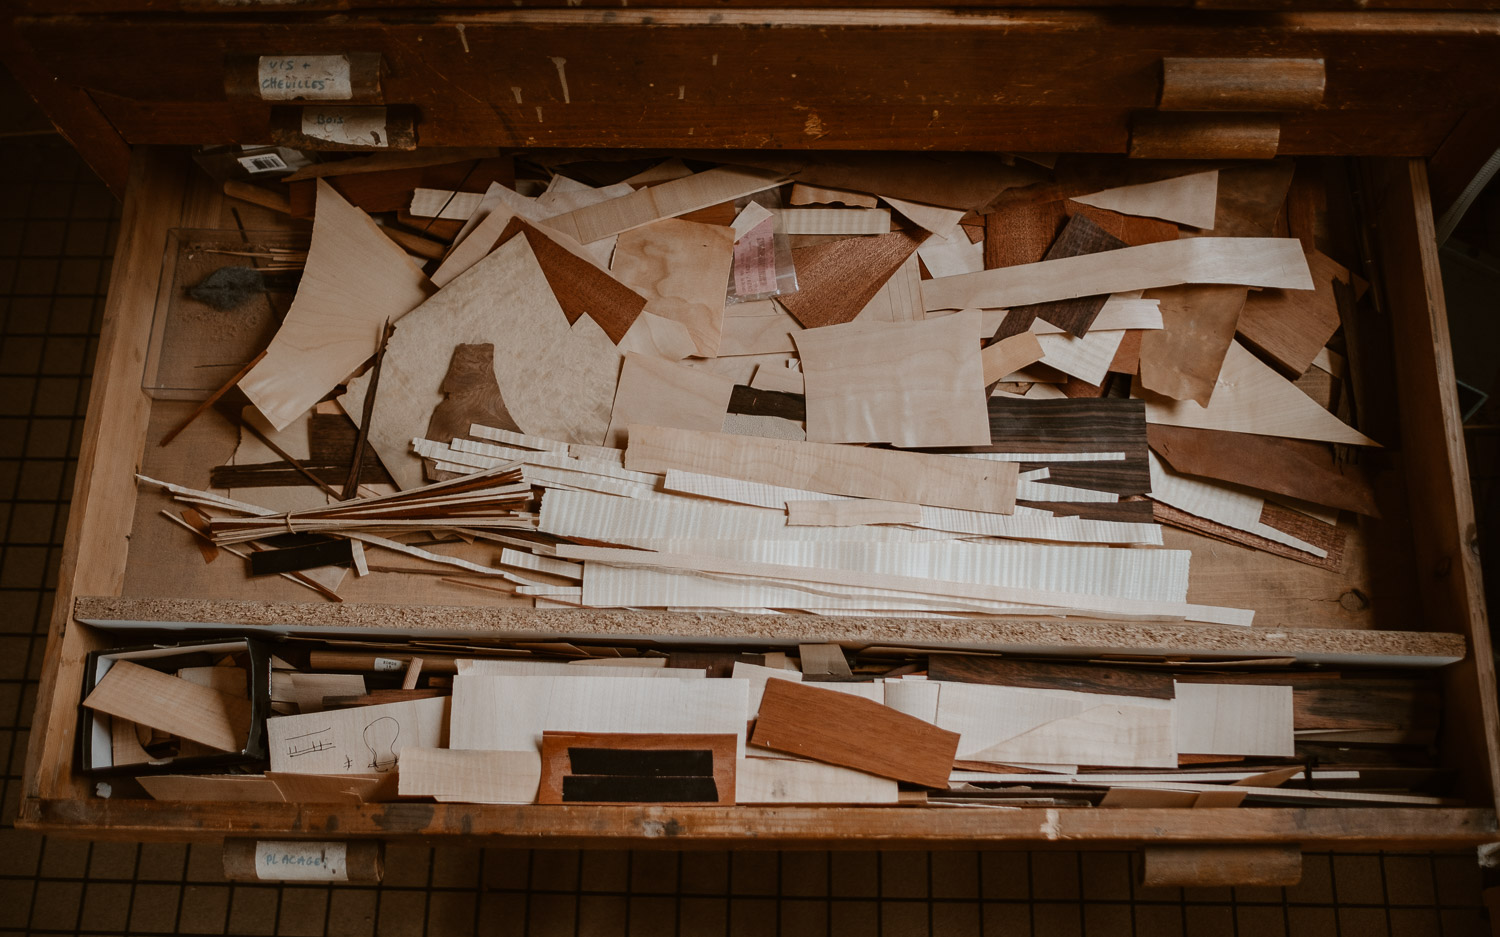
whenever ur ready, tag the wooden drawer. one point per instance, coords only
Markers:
(109, 553)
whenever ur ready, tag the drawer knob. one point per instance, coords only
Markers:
(347, 78)
(1213, 866)
(1241, 84)
(266, 860)
(1204, 136)
(336, 127)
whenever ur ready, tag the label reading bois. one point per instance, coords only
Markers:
(304, 78)
(280, 860)
(348, 126)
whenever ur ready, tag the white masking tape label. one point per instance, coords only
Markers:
(389, 663)
(350, 126)
(304, 78)
(281, 860)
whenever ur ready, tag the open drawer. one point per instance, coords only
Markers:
(109, 573)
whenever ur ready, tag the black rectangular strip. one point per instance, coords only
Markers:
(752, 401)
(1083, 424)
(595, 788)
(329, 553)
(643, 763)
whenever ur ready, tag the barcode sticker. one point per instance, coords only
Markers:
(304, 78)
(349, 126)
(265, 162)
(279, 860)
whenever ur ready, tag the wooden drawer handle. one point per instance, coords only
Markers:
(1241, 84)
(339, 127)
(342, 78)
(1211, 866)
(1204, 136)
(264, 860)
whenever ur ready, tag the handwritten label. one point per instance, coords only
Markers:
(755, 261)
(304, 78)
(282, 860)
(387, 664)
(350, 126)
(362, 740)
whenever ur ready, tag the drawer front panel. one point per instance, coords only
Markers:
(811, 79)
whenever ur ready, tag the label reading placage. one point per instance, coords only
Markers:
(349, 126)
(278, 860)
(304, 78)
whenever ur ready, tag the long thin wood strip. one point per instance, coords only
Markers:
(1105, 606)
(667, 200)
(1024, 524)
(1325, 537)
(640, 587)
(1222, 504)
(1145, 575)
(851, 513)
(854, 733)
(173, 705)
(1277, 262)
(587, 515)
(971, 484)
(210, 400)
(543, 668)
(1123, 311)
(362, 436)
(1075, 316)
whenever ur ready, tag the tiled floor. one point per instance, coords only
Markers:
(56, 234)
